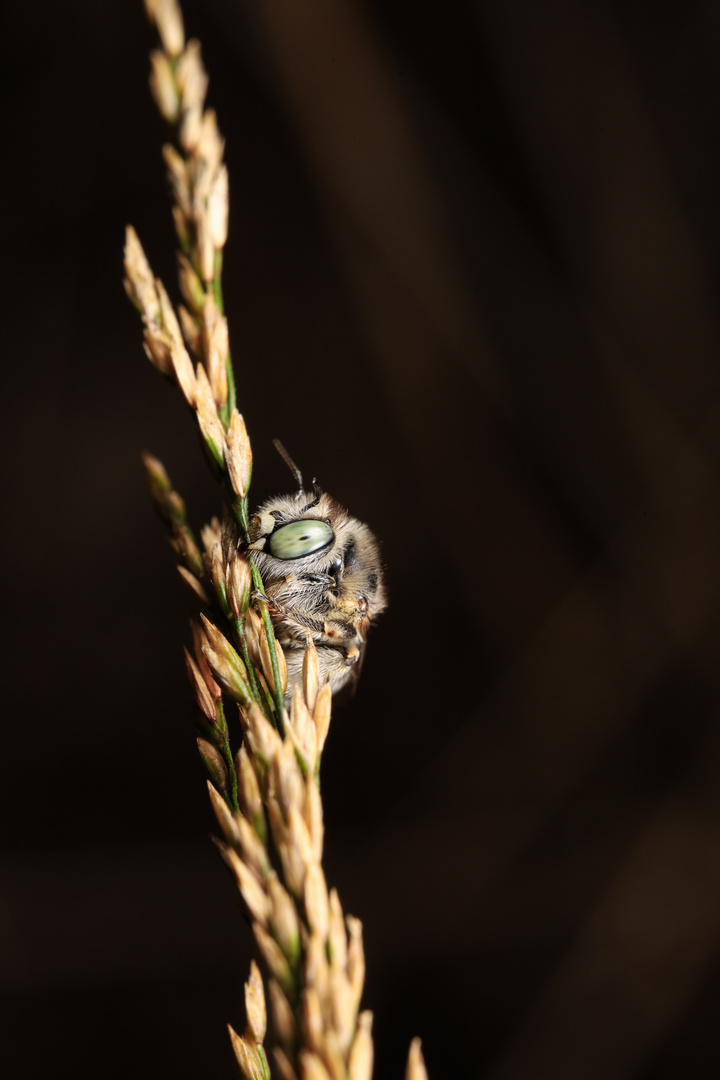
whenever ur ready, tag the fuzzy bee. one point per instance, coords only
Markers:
(322, 574)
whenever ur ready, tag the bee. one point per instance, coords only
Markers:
(323, 577)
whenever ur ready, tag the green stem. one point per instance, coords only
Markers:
(240, 509)
(270, 632)
(263, 1062)
(227, 754)
(245, 652)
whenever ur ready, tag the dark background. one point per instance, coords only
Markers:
(472, 282)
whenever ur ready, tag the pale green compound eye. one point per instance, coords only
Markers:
(300, 538)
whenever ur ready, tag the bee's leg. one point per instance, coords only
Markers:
(288, 617)
(352, 655)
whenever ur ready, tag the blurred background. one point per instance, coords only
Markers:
(472, 283)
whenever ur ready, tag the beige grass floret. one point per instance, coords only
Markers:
(415, 1063)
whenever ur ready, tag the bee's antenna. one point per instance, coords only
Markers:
(290, 463)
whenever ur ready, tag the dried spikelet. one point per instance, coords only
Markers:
(179, 179)
(252, 847)
(238, 457)
(200, 640)
(239, 583)
(283, 1065)
(248, 788)
(182, 226)
(275, 959)
(225, 819)
(253, 626)
(262, 736)
(355, 959)
(251, 890)
(194, 584)
(218, 208)
(316, 900)
(140, 280)
(162, 86)
(190, 284)
(337, 941)
(361, 1053)
(167, 17)
(217, 573)
(317, 972)
(299, 837)
(255, 1004)
(313, 814)
(313, 1021)
(342, 1002)
(191, 76)
(321, 715)
(310, 674)
(211, 536)
(189, 133)
(312, 1068)
(287, 778)
(207, 415)
(191, 332)
(216, 347)
(282, 1015)
(213, 763)
(293, 865)
(209, 154)
(301, 730)
(167, 314)
(225, 664)
(203, 697)
(204, 248)
(284, 918)
(184, 373)
(246, 1055)
(415, 1063)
